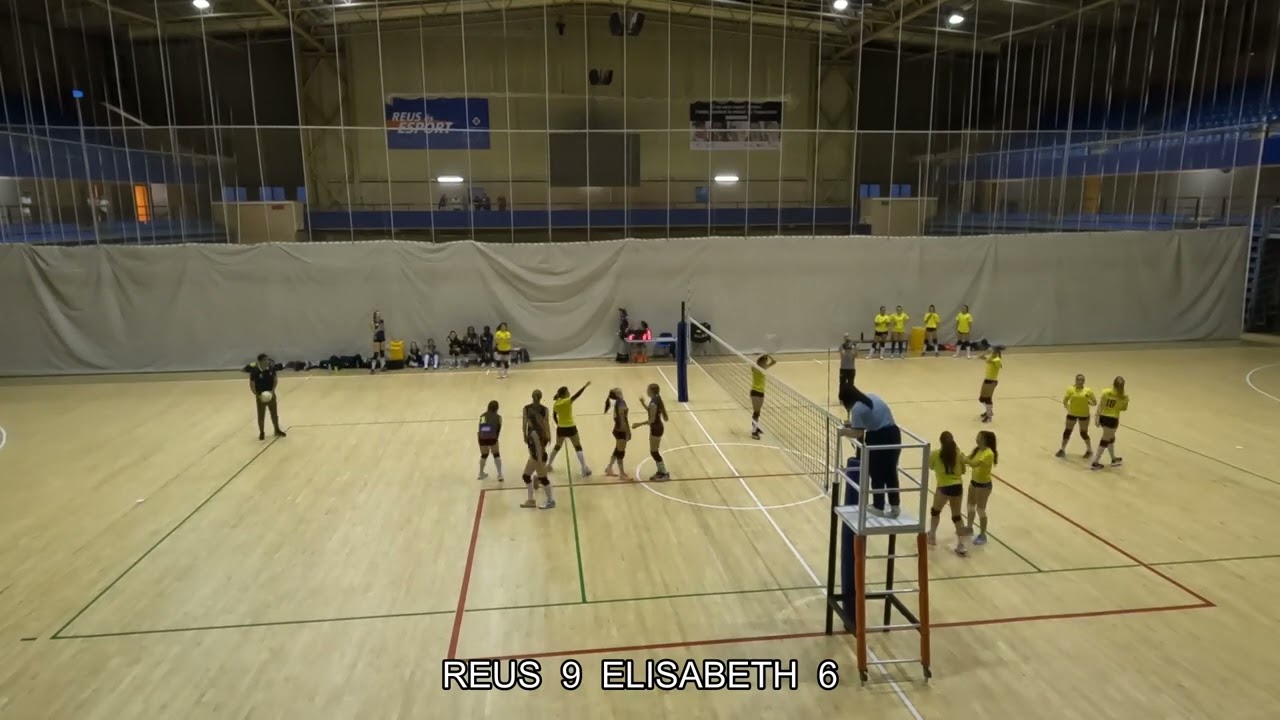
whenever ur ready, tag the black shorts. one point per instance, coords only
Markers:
(488, 442)
(537, 447)
(846, 376)
(504, 355)
(757, 393)
(566, 432)
(931, 330)
(656, 430)
(1110, 423)
(380, 336)
(980, 486)
(989, 387)
(882, 335)
(1081, 418)
(621, 435)
(951, 490)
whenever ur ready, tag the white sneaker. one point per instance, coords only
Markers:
(482, 476)
(962, 551)
(549, 505)
(894, 511)
(932, 539)
(586, 472)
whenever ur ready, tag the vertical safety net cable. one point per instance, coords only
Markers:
(1091, 134)
(166, 80)
(670, 133)
(1161, 137)
(382, 96)
(782, 131)
(1125, 133)
(1071, 112)
(508, 138)
(1238, 119)
(422, 63)
(893, 128)
(923, 179)
(1108, 96)
(967, 192)
(546, 100)
(1132, 205)
(746, 175)
(342, 126)
(469, 183)
(124, 129)
(711, 95)
(217, 120)
(1192, 102)
(1004, 144)
(43, 142)
(257, 134)
(1268, 96)
(815, 139)
(303, 125)
(94, 139)
(586, 107)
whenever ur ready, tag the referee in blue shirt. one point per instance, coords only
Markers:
(871, 421)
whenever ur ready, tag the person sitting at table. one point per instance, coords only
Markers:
(640, 339)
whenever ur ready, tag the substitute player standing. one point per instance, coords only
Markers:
(379, 343)
(881, 323)
(964, 325)
(848, 356)
(1113, 402)
(900, 318)
(502, 343)
(1079, 402)
(931, 320)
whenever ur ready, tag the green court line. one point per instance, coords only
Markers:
(239, 626)
(166, 536)
(1214, 560)
(577, 540)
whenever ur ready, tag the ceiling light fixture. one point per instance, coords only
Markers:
(840, 5)
(955, 19)
(726, 179)
(449, 179)
(201, 4)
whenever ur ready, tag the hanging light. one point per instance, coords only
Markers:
(201, 4)
(840, 5)
(726, 179)
(955, 18)
(449, 179)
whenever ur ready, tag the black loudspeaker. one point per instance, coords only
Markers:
(615, 24)
(606, 77)
(593, 76)
(636, 25)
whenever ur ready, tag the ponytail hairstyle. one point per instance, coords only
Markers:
(987, 439)
(493, 406)
(656, 399)
(615, 394)
(949, 453)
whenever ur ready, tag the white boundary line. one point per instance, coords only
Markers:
(1248, 378)
(649, 485)
(897, 689)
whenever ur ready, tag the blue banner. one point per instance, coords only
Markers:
(437, 123)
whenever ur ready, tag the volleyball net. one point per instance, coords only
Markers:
(807, 433)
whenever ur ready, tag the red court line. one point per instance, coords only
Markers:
(1207, 602)
(466, 578)
(807, 635)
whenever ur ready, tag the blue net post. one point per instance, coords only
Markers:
(682, 360)
(846, 545)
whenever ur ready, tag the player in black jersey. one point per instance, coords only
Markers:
(621, 434)
(656, 416)
(379, 343)
(263, 381)
(490, 428)
(535, 427)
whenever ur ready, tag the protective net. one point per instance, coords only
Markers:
(807, 432)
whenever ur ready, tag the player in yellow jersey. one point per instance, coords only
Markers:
(1078, 401)
(900, 318)
(984, 457)
(882, 321)
(502, 344)
(990, 378)
(1114, 401)
(562, 410)
(758, 378)
(931, 321)
(964, 325)
(947, 467)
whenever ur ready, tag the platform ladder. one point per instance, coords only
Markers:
(853, 522)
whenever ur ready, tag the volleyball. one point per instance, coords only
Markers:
(772, 345)
(266, 396)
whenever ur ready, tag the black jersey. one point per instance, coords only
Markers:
(535, 421)
(490, 426)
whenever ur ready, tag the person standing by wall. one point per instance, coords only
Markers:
(848, 355)
(871, 421)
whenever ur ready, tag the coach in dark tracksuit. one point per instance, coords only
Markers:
(871, 420)
(262, 378)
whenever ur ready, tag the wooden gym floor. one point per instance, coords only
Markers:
(157, 560)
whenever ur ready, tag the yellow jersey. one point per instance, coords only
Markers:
(502, 341)
(882, 323)
(562, 408)
(1078, 401)
(942, 477)
(964, 322)
(900, 322)
(1112, 403)
(981, 462)
(757, 380)
(931, 320)
(994, 364)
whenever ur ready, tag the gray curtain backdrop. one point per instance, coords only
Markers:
(200, 307)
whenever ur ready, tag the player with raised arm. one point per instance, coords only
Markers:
(566, 429)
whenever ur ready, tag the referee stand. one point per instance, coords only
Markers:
(853, 522)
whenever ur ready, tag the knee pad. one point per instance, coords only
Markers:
(496, 454)
(545, 482)
(1084, 434)
(755, 416)
(657, 456)
(619, 454)
(1066, 433)
(527, 479)
(936, 512)
(956, 519)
